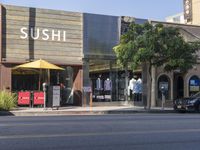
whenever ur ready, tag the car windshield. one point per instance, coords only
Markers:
(195, 95)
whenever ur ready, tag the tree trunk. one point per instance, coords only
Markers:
(126, 83)
(153, 86)
(149, 87)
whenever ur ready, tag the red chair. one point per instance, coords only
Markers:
(38, 98)
(24, 98)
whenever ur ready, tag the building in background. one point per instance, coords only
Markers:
(191, 11)
(178, 18)
(190, 14)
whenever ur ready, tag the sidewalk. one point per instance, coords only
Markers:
(73, 110)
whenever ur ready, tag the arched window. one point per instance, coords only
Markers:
(194, 85)
(163, 81)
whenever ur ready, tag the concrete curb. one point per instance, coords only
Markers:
(141, 111)
(103, 112)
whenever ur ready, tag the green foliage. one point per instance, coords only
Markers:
(156, 45)
(8, 100)
(128, 45)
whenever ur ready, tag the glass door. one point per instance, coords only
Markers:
(67, 86)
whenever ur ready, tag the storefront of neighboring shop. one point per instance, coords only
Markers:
(101, 72)
(177, 84)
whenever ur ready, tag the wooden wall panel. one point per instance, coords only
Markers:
(5, 77)
(43, 20)
(63, 51)
(73, 61)
(70, 29)
(39, 43)
(68, 40)
(74, 17)
(43, 11)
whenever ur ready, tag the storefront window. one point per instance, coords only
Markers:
(107, 81)
(194, 84)
(25, 82)
(65, 80)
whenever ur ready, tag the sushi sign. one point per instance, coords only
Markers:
(43, 34)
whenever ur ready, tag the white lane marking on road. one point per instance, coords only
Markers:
(74, 123)
(98, 134)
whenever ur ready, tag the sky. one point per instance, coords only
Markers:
(146, 9)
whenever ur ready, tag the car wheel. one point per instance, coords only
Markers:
(199, 108)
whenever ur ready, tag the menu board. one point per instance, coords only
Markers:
(56, 96)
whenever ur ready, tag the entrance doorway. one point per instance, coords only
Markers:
(179, 86)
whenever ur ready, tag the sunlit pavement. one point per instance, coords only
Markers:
(73, 110)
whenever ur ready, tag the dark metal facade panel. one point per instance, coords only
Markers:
(101, 34)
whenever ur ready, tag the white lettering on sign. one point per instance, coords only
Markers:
(25, 35)
(44, 34)
(34, 35)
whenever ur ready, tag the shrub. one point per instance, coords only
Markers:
(8, 100)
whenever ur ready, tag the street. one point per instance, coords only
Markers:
(101, 132)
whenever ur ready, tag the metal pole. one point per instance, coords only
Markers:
(45, 90)
(90, 101)
(39, 79)
(44, 99)
(163, 100)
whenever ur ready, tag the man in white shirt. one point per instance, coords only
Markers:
(138, 90)
(131, 87)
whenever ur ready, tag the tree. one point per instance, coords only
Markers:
(126, 49)
(156, 45)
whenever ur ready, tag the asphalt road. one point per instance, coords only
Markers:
(105, 132)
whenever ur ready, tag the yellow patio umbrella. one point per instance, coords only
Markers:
(24, 71)
(39, 64)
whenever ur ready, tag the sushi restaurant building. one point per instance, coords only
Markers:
(82, 44)
(29, 34)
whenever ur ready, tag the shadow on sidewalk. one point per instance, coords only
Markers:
(5, 113)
